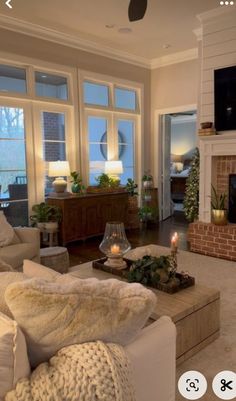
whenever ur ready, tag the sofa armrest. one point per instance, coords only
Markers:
(28, 234)
(153, 361)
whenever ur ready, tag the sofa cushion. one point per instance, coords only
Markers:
(14, 363)
(15, 239)
(7, 278)
(54, 315)
(35, 270)
(4, 267)
(6, 231)
(15, 254)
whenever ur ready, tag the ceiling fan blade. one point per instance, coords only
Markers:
(137, 9)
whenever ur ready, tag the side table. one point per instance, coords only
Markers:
(56, 258)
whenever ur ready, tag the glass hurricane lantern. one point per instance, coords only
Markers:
(115, 244)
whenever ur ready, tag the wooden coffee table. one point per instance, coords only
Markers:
(195, 312)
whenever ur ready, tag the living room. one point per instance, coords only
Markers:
(84, 91)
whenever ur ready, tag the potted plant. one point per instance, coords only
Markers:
(77, 186)
(131, 187)
(145, 213)
(219, 212)
(45, 216)
(147, 180)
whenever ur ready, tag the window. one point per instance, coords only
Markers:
(54, 141)
(125, 99)
(96, 94)
(13, 174)
(97, 133)
(52, 86)
(12, 79)
(111, 129)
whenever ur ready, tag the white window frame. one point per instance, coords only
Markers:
(32, 106)
(115, 113)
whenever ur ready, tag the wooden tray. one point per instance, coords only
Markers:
(171, 287)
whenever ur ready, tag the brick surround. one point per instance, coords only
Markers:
(212, 240)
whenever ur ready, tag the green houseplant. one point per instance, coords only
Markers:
(44, 214)
(147, 180)
(105, 181)
(219, 212)
(131, 187)
(77, 186)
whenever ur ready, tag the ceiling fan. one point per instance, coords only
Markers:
(137, 9)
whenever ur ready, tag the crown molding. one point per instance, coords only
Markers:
(38, 31)
(174, 58)
(216, 14)
(64, 39)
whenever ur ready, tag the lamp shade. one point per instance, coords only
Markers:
(59, 168)
(113, 167)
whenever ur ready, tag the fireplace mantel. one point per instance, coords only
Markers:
(211, 146)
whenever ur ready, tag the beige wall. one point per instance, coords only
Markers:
(172, 86)
(27, 46)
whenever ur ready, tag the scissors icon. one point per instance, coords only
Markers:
(226, 385)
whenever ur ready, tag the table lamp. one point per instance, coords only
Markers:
(59, 170)
(113, 168)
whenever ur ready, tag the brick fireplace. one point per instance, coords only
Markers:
(217, 161)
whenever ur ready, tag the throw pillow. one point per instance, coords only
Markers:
(14, 363)
(4, 267)
(35, 270)
(54, 315)
(6, 231)
(7, 278)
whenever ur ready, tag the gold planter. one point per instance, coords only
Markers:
(219, 217)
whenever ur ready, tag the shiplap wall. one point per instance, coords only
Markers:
(218, 51)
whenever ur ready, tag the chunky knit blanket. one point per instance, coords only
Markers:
(83, 372)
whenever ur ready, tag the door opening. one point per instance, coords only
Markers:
(178, 143)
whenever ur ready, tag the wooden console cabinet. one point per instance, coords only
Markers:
(86, 216)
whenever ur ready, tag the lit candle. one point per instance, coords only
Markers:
(174, 242)
(115, 249)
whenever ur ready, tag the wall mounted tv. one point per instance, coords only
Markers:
(225, 99)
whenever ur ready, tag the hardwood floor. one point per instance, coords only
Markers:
(84, 251)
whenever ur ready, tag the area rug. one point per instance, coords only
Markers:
(221, 354)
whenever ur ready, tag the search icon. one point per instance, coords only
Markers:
(192, 385)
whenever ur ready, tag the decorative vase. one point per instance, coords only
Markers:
(219, 217)
(147, 184)
(75, 188)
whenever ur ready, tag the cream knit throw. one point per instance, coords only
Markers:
(83, 372)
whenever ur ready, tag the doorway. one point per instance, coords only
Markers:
(177, 142)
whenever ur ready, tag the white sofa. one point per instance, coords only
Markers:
(26, 245)
(152, 356)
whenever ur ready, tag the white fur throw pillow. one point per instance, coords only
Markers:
(53, 316)
(35, 270)
(6, 231)
(7, 278)
(14, 363)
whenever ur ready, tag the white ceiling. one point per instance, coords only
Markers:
(166, 22)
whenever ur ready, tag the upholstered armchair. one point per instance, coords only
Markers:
(25, 245)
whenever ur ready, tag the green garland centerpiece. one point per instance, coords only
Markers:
(152, 270)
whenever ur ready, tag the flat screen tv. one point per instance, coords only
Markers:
(225, 99)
